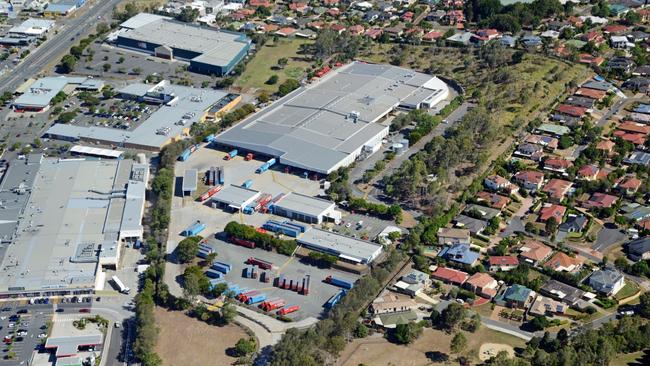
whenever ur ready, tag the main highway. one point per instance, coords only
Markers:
(80, 23)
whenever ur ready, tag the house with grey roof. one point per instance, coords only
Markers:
(639, 249)
(607, 281)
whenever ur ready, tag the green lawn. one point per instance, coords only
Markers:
(628, 290)
(265, 63)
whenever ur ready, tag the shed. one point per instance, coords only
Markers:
(190, 181)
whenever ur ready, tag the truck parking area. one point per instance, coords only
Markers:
(291, 268)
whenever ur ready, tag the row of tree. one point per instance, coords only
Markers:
(261, 240)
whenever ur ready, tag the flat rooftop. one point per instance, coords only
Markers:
(187, 101)
(69, 211)
(305, 204)
(190, 180)
(345, 246)
(235, 196)
(41, 91)
(318, 126)
(67, 338)
(212, 46)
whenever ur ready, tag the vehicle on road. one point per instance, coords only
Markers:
(84, 310)
(123, 289)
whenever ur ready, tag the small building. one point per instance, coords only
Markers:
(588, 172)
(453, 236)
(534, 252)
(413, 283)
(190, 181)
(553, 129)
(503, 263)
(600, 200)
(557, 165)
(493, 200)
(607, 281)
(569, 295)
(498, 183)
(562, 262)
(556, 189)
(529, 179)
(388, 303)
(484, 213)
(544, 306)
(68, 341)
(628, 185)
(482, 284)
(516, 296)
(475, 226)
(38, 95)
(307, 209)
(574, 224)
(554, 211)
(460, 254)
(639, 249)
(450, 275)
(234, 197)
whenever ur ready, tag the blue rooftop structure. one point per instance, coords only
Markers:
(643, 108)
(460, 253)
(531, 41)
(508, 41)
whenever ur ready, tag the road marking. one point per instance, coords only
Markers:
(284, 264)
(275, 180)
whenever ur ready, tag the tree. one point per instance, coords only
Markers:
(244, 347)
(273, 79)
(263, 97)
(551, 226)
(644, 305)
(282, 62)
(361, 331)
(102, 28)
(407, 333)
(452, 315)
(187, 249)
(37, 143)
(228, 313)
(458, 343)
(68, 63)
(188, 15)
(210, 258)
(539, 323)
(106, 67)
(288, 86)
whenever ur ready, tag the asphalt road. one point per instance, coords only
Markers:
(57, 45)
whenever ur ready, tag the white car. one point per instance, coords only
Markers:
(348, 225)
(42, 335)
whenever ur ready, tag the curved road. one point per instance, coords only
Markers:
(59, 44)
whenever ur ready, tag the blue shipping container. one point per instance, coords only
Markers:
(340, 283)
(202, 254)
(255, 299)
(194, 229)
(220, 268)
(223, 264)
(209, 138)
(270, 162)
(248, 183)
(302, 228)
(335, 299)
(212, 273)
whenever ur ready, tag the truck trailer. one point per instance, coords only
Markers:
(123, 289)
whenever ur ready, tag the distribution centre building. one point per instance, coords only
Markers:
(63, 220)
(208, 50)
(235, 197)
(307, 209)
(329, 124)
(344, 247)
(36, 95)
(180, 108)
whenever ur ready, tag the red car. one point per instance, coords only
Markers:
(84, 310)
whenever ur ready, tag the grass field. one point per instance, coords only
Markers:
(632, 359)
(424, 351)
(265, 63)
(142, 4)
(185, 341)
(628, 290)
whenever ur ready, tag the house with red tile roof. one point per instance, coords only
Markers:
(629, 126)
(432, 36)
(503, 263)
(259, 3)
(588, 172)
(550, 210)
(493, 200)
(534, 252)
(298, 7)
(628, 185)
(482, 284)
(374, 33)
(634, 138)
(331, 2)
(614, 29)
(600, 200)
(606, 145)
(497, 183)
(551, 143)
(594, 37)
(334, 12)
(585, 58)
(562, 262)
(557, 165)
(449, 275)
(356, 30)
(285, 32)
(529, 179)
(591, 93)
(339, 28)
(556, 189)
(454, 17)
(572, 110)
(269, 28)
(407, 16)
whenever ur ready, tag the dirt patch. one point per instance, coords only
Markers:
(185, 341)
(489, 350)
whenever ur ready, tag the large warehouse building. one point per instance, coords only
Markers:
(61, 221)
(180, 107)
(307, 209)
(209, 51)
(344, 247)
(328, 125)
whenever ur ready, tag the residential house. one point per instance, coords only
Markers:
(548, 142)
(639, 117)
(374, 33)
(600, 200)
(639, 249)
(475, 226)
(516, 296)
(643, 70)
(530, 151)
(449, 275)
(460, 254)
(638, 158)
(595, 37)
(628, 185)
(562, 262)
(531, 41)
(503, 263)
(557, 189)
(482, 284)
(621, 64)
(588, 172)
(285, 32)
(635, 212)
(461, 39)
(534, 252)
(607, 281)
(544, 306)
(569, 295)
(481, 212)
(432, 36)
(529, 179)
(637, 84)
(550, 210)
(392, 303)
(606, 146)
(620, 42)
(591, 93)
(508, 41)
(614, 29)
(498, 183)
(553, 129)
(574, 224)
(356, 30)
(453, 236)
(413, 283)
(493, 200)
(557, 165)
(585, 58)
(394, 32)
(599, 85)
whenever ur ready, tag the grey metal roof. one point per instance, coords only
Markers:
(190, 180)
(14, 194)
(604, 280)
(188, 100)
(216, 47)
(362, 251)
(307, 205)
(235, 196)
(638, 157)
(314, 127)
(140, 20)
(41, 91)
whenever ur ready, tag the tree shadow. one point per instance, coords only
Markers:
(437, 356)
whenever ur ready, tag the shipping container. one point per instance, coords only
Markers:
(270, 162)
(206, 247)
(300, 227)
(248, 210)
(335, 299)
(202, 253)
(209, 138)
(213, 273)
(259, 262)
(243, 297)
(227, 265)
(187, 152)
(288, 310)
(248, 183)
(249, 157)
(265, 277)
(231, 154)
(215, 281)
(305, 285)
(339, 282)
(221, 268)
(255, 299)
(194, 229)
(222, 176)
(211, 192)
(242, 242)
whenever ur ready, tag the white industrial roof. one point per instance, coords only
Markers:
(141, 20)
(235, 196)
(41, 91)
(96, 151)
(190, 180)
(32, 27)
(311, 206)
(316, 127)
(344, 246)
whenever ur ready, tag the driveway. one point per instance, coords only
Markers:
(516, 225)
(607, 238)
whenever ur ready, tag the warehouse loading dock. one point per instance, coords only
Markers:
(234, 197)
(307, 209)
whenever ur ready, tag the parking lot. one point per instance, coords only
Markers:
(370, 226)
(292, 268)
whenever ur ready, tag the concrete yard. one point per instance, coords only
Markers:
(292, 268)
